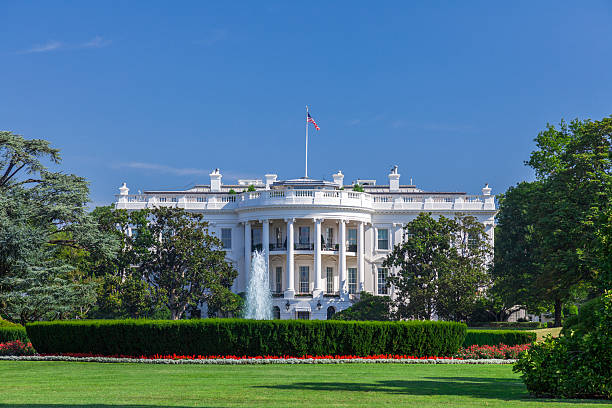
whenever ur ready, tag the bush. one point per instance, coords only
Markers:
(510, 325)
(16, 348)
(369, 307)
(246, 337)
(12, 331)
(495, 337)
(578, 364)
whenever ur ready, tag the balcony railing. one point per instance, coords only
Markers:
(351, 247)
(278, 247)
(224, 200)
(329, 247)
(303, 246)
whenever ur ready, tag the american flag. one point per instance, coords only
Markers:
(311, 120)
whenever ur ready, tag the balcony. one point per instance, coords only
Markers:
(303, 246)
(351, 247)
(329, 247)
(278, 247)
(264, 198)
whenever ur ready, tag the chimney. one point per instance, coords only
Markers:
(338, 178)
(270, 178)
(215, 180)
(486, 190)
(394, 178)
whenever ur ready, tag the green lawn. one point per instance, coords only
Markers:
(55, 384)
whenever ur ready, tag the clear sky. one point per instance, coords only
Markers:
(158, 94)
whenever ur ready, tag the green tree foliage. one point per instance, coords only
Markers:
(440, 267)
(578, 364)
(184, 264)
(555, 233)
(368, 307)
(45, 234)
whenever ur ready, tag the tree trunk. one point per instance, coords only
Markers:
(558, 308)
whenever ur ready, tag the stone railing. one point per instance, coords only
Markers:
(227, 201)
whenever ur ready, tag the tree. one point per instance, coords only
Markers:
(45, 232)
(438, 268)
(515, 269)
(368, 307)
(185, 265)
(567, 225)
(464, 282)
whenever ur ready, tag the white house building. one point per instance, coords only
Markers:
(324, 242)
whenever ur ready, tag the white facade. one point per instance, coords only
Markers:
(325, 242)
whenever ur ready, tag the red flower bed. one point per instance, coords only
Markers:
(500, 351)
(233, 357)
(16, 348)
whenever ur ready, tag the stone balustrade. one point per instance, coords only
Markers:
(217, 201)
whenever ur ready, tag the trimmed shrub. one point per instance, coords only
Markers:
(510, 325)
(12, 331)
(494, 337)
(208, 337)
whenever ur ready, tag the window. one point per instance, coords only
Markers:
(276, 312)
(330, 312)
(383, 238)
(352, 240)
(304, 286)
(174, 200)
(472, 241)
(304, 237)
(162, 199)
(303, 315)
(256, 239)
(352, 280)
(329, 239)
(226, 238)
(279, 236)
(330, 279)
(279, 279)
(200, 199)
(382, 281)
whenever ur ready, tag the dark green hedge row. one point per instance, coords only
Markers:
(494, 337)
(10, 333)
(247, 337)
(510, 325)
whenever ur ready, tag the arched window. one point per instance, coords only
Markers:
(331, 311)
(276, 312)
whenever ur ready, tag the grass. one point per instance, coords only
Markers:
(544, 332)
(55, 384)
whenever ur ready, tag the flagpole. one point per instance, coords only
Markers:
(306, 165)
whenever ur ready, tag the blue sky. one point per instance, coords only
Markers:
(159, 93)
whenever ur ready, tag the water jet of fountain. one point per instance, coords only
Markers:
(259, 297)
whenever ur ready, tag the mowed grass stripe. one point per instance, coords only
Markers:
(53, 384)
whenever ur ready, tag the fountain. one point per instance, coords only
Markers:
(259, 297)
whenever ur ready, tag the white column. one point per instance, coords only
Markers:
(265, 240)
(342, 260)
(247, 253)
(318, 289)
(360, 256)
(290, 289)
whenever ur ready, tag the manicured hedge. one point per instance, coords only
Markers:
(494, 337)
(510, 325)
(12, 331)
(247, 337)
